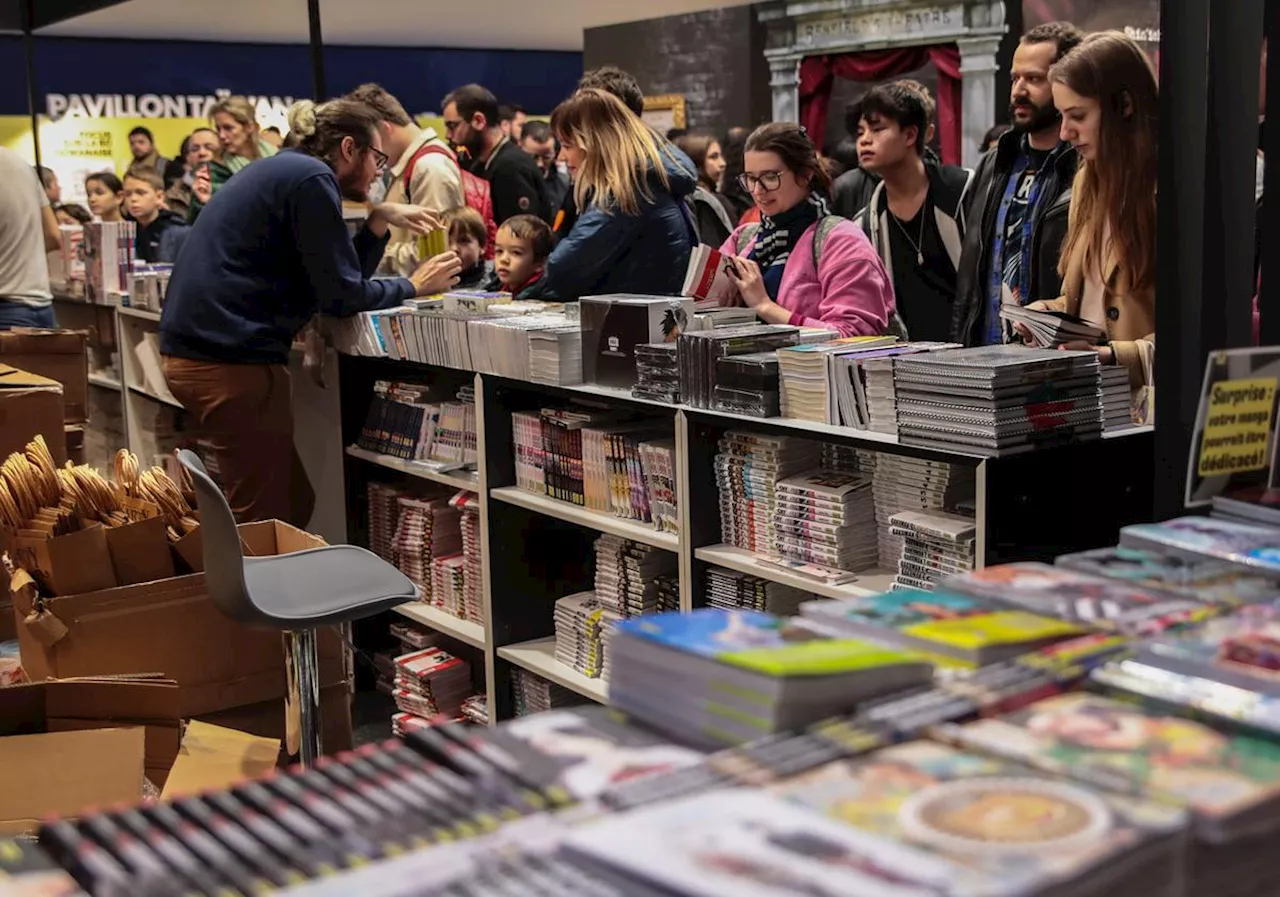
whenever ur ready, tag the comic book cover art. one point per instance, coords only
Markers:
(1208, 581)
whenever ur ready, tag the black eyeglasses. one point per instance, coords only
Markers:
(766, 180)
(380, 159)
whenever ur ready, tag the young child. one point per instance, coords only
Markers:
(106, 195)
(522, 246)
(467, 238)
(72, 213)
(160, 232)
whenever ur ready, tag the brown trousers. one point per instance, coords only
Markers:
(245, 413)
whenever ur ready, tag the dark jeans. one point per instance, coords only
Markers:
(15, 314)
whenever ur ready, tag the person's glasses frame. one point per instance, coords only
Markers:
(381, 159)
(768, 181)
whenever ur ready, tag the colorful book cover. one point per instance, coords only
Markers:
(993, 629)
(1253, 546)
(898, 610)
(761, 643)
(1134, 750)
(752, 844)
(1017, 828)
(1208, 581)
(1079, 597)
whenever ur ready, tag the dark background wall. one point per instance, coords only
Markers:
(714, 58)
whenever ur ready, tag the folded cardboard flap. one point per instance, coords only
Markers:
(58, 355)
(216, 757)
(140, 552)
(267, 719)
(30, 405)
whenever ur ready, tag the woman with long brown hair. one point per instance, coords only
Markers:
(1107, 93)
(709, 208)
(633, 235)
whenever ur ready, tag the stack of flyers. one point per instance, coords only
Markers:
(1229, 783)
(626, 571)
(1195, 577)
(1003, 827)
(1090, 600)
(827, 517)
(1225, 669)
(731, 590)
(1255, 548)
(668, 592)
(448, 587)
(431, 682)
(911, 484)
(530, 693)
(468, 505)
(475, 709)
(748, 468)
(579, 620)
(657, 373)
(936, 544)
(427, 530)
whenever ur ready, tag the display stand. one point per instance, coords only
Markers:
(538, 549)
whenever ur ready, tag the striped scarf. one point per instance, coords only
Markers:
(779, 234)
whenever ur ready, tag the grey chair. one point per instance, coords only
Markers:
(294, 593)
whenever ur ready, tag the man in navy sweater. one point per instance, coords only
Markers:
(269, 251)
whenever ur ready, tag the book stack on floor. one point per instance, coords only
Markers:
(998, 400)
(700, 351)
(747, 384)
(935, 545)
(580, 621)
(468, 506)
(426, 533)
(1117, 398)
(431, 683)
(956, 630)
(405, 423)
(827, 518)
(714, 677)
(657, 373)
(911, 484)
(731, 590)
(626, 575)
(530, 693)
(748, 468)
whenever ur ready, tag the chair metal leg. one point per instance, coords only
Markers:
(302, 666)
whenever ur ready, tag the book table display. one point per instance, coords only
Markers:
(538, 550)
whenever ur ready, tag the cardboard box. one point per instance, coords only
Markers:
(30, 405)
(213, 757)
(171, 626)
(68, 746)
(612, 327)
(58, 355)
(268, 720)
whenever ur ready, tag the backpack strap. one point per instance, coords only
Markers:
(428, 147)
(826, 225)
(746, 236)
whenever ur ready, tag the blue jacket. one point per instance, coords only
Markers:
(269, 251)
(608, 252)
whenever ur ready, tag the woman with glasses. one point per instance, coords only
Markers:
(240, 144)
(267, 254)
(802, 265)
(632, 235)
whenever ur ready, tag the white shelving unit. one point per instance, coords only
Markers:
(458, 479)
(600, 522)
(539, 656)
(869, 582)
(433, 617)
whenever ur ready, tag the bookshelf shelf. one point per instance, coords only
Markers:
(539, 656)
(571, 513)
(743, 561)
(458, 479)
(140, 313)
(433, 617)
(104, 381)
(155, 397)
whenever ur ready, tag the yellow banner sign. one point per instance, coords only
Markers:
(1237, 427)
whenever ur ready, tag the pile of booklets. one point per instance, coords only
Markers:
(427, 531)
(657, 373)
(747, 384)
(506, 346)
(668, 588)
(468, 505)
(448, 586)
(955, 629)
(475, 710)
(900, 484)
(713, 676)
(1053, 328)
(935, 545)
(844, 458)
(826, 517)
(526, 436)
(1200, 577)
(580, 621)
(530, 693)
(658, 465)
(997, 400)
(748, 468)
(805, 376)
(731, 590)
(699, 352)
(1256, 548)
(1117, 398)
(882, 396)
(431, 682)
(555, 355)
(613, 457)
(626, 575)
(858, 384)
(384, 518)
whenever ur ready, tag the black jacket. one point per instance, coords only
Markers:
(515, 184)
(852, 190)
(160, 240)
(1048, 232)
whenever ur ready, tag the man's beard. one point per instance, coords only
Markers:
(1042, 117)
(352, 188)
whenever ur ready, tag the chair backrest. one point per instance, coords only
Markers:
(223, 559)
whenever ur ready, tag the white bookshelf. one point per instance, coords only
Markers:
(869, 582)
(458, 479)
(539, 656)
(596, 520)
(467, 631)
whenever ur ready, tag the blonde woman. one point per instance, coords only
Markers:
(1107, 93)
(634, 234)
(241, 143)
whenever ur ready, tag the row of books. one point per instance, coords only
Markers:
(600, 461)
(404, 421)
